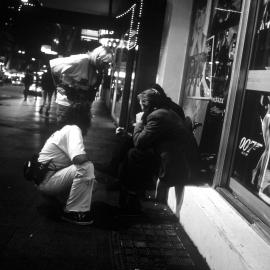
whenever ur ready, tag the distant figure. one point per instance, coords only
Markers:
(48, 88)
(78, 78)
(27, 80)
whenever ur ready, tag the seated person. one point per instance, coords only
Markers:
(127, 142)
(71, 177)
(163, 146)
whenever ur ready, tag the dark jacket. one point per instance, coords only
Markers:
(167, 134)
(47, 82)
(28, 79)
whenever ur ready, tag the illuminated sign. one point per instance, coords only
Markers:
(88, 35)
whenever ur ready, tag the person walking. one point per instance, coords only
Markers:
(48, 87)
(27, 80)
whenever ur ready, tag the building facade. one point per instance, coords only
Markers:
(212, 57)
(214, 62)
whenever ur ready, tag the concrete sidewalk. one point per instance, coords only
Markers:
(33, 237)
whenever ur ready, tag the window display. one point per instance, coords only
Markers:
(210, 60)
(251, 164)
(224, 29)
(118, 81)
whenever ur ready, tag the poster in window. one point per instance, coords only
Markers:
(197, 86)
(251, 166)
(199, 67)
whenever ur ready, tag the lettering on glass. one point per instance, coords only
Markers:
(248, 145)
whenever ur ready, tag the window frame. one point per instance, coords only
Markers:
(256, 212)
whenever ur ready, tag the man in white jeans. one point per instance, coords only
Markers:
(71, 177)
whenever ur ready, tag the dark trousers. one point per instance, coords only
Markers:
(139, 169)
(26, 91)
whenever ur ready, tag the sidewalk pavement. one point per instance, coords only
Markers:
(33, 237)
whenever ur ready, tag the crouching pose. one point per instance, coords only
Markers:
(71, 177)
(164, 148)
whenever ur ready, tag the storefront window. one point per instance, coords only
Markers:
(251, 165)
(211, 55)
(118, 82)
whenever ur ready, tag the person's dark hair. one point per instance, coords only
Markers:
(79, 114)
(154, 97)
(158, 88)
(167, 102)
(151, 100)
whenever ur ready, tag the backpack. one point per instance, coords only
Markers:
(35, 171)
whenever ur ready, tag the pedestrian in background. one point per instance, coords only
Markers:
(27, 80)
(48, 87)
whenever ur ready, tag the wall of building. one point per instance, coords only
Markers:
(173, 47)
(223, 237)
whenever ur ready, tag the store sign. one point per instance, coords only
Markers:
(105, 33)
(88, 35)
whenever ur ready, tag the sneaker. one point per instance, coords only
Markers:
(80, 218)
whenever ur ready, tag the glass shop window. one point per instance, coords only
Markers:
(251, 166)
(118, 82)
(211, 54)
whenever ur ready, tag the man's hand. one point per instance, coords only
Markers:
(120, 131)
(139, 117)
(80, 159)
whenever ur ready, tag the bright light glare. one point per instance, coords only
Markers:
(47, 50)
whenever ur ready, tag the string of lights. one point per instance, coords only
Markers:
(139, 22)
(126, 12)
(130, 28)
(133, 32)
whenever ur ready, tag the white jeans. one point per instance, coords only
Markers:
(72, 186)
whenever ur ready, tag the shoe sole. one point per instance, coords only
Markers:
(78, 222)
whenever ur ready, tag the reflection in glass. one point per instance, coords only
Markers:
(210, 59)
(251, 164)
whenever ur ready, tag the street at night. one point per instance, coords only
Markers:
(33, 237)
(134, 134)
